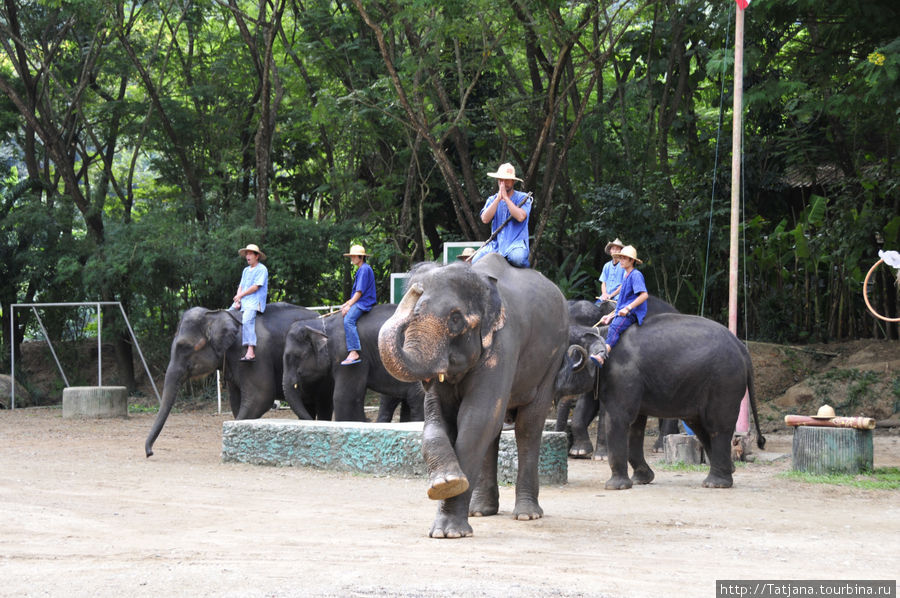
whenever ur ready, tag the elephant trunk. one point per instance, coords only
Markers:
(293, 394)
(174, 377)
(412, 345)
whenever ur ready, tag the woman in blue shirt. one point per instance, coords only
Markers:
(362, 300)
(631, 306)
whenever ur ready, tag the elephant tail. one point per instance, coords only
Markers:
(760, 439)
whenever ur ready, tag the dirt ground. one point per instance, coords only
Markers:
(86, 514)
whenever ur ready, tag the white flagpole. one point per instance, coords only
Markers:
(743, 422)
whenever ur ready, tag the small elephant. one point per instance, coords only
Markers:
(484, 338)
(207, 340)
(583, 317)
(313, 351)
(674, 366)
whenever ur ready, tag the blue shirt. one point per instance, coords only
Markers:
(364, 282)
(515, 234)
(632, 286)
(257, 299)
(613, 274)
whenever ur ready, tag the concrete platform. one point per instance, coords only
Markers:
(95, 401)
(377, 449)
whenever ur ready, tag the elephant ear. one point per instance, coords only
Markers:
(221, 330)
(494, 315)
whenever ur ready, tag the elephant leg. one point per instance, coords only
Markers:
(350, 395)
(562, 413)
(721, 466)
(386, 407)
(617, 439)
(234, 398)
(405, 412)
(486, 496)
(585, 411)
(529, 430)
(642, 473)
(446, 477)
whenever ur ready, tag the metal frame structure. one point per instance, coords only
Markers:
(98, 304)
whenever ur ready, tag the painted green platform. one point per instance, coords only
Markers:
(377, 449)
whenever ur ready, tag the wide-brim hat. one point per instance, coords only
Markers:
(825, 412)
(255, 249)
(628, 251)
(618, 242)
(505, 171)
(466, 253)
(357, 250)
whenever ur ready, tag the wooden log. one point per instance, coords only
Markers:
(824, 450)
(860, 423)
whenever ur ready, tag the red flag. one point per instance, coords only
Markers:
(743, 4)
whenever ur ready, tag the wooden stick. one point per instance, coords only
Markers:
(860, 423)
(331, 313)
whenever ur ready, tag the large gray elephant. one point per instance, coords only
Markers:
(313, 351)
(207, 340)
(674, 366)
(583, 317)
(483, 338)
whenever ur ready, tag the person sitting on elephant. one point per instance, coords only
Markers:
(631, 306)
(250, 298)
(613, 273)
(362, 300)
(507, 211)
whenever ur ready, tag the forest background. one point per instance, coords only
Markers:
(143, 143)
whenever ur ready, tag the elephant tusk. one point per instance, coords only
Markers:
(440, 377)
(295, 386)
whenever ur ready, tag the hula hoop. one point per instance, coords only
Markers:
(866, 295)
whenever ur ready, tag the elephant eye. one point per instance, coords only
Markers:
(456, 322)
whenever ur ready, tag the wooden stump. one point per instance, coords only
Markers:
(682, 448)
(832, 450)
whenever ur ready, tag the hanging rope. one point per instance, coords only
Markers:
(712, 197)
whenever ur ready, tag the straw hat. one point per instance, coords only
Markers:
(628, 251)
(466, 253)
(254, 249)
(505, 171)
(825, 412)
(618, 242)
(357, 250)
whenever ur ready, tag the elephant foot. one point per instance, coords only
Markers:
(618, 483)
(658, 445)
(599, 457)
(448, 527)
(714, 480)
(643, 475)
(447, 486)
(527, 509)
(580, 453)
(483, 505)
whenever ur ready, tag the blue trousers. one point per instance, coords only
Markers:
(617, 327)
(248, 327)
(350, 333)
(518, 257)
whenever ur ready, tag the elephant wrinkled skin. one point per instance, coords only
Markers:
(207, 340)
(483, 338)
